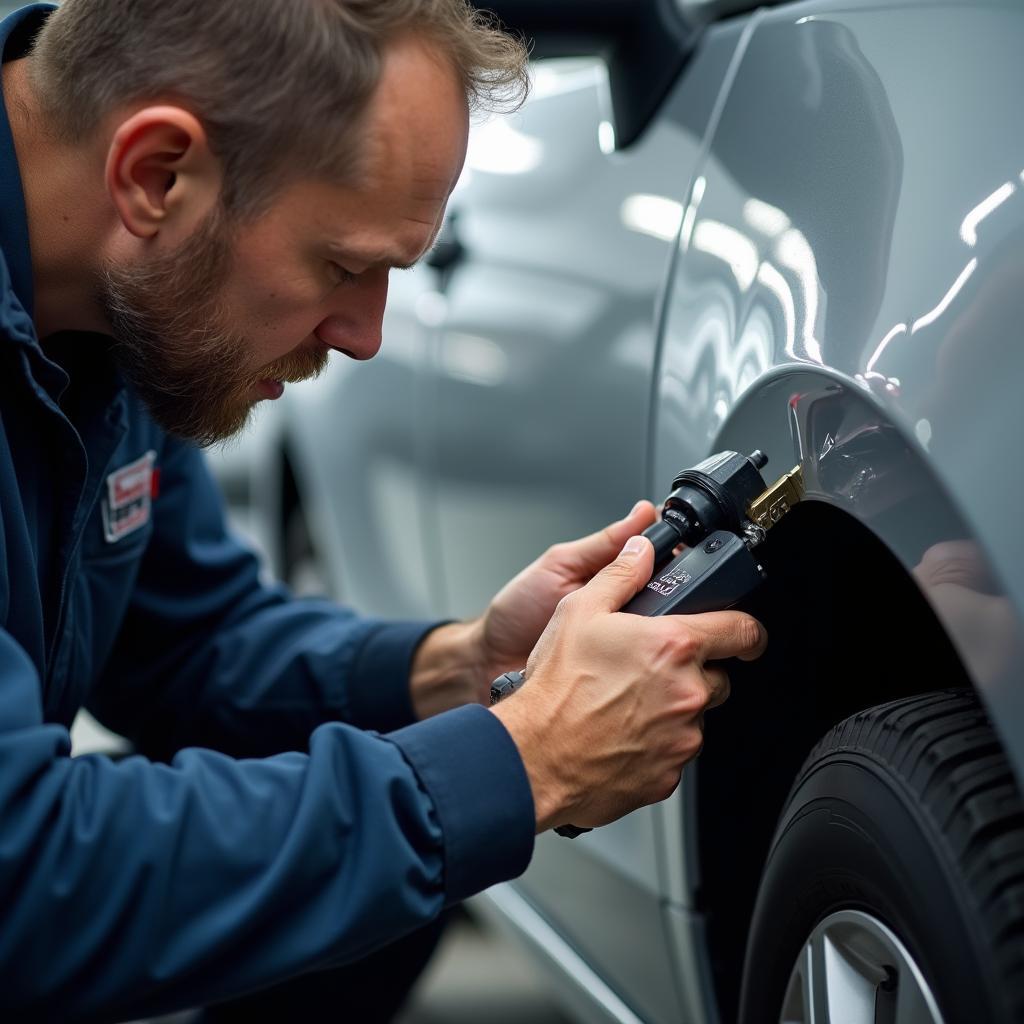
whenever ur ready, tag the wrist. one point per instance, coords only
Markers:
(547, 783)
(448, 670)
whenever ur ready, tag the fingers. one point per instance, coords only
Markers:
(640, 517)
(727, 635)
(590, 554)
(717, 681)
(621, 580)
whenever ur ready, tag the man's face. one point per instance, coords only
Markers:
(239, 310)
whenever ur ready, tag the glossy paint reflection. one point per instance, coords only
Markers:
(538, 396)
(781, 284)
(888, 225)
(855, 459)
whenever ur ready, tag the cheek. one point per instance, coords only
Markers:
(277, 318)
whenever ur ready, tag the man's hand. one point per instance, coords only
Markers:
(456, 664)
(515, 619)
(613, 703)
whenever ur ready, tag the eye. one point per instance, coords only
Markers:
(340, 274)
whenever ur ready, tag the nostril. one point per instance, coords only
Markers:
(354, 338)
(333, 333)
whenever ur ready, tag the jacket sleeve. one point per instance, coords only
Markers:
(210, 656)
(136, 888)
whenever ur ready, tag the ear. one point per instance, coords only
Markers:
(161, 174)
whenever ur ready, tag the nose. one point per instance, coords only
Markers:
(338, 332)
(354, 325)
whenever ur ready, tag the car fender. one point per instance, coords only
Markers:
(846, 293)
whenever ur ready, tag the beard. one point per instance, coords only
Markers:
(173, 346)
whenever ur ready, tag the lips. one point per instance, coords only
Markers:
(272, 389)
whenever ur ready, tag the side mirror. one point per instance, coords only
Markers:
(645, 44)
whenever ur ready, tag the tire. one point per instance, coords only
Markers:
(896, 876)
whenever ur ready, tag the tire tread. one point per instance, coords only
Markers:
(943, 749)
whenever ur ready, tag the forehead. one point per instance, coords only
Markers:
(414, 145)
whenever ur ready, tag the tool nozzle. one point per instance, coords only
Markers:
(666, 536)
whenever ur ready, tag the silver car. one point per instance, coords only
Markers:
(799, 229)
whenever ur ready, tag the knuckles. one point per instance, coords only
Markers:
(692, 699)
(556, 554)
(678, 645)
(666, 785)
(620, 569)
(691, 741)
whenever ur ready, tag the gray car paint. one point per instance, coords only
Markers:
(886, 264)
(566, 269)
(822, 174)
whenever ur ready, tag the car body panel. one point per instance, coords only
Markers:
(361, 473)
(546, 348)
(882, 269)
(814, 250)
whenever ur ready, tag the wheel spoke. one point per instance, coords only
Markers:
(854, 970)
(915, 1003)
(819, 979)
(848, 996)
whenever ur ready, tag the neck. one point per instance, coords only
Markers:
(68, 213)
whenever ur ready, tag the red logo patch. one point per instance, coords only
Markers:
(129, 499)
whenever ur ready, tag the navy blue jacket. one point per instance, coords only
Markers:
(136, 887)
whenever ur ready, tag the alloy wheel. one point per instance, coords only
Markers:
(854, 970)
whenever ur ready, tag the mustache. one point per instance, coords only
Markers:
(296, 367)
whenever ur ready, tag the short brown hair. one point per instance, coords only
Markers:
(278, 84)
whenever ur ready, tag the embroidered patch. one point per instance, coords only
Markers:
(129, 498)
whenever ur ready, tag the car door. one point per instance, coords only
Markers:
(538, 393)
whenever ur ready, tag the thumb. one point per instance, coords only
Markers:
(582, 558)
(621, 580)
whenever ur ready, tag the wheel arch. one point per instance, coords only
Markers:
(849, 626)
(840, 640)
(868, 468)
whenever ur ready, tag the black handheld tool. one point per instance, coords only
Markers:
(720, 511)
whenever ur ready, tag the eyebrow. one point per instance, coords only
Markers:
(377, 258)
(382, 258)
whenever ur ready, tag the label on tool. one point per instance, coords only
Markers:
(670, 582)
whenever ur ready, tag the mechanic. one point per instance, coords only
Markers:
(200, 199)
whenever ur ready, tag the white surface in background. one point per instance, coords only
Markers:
(89, 737)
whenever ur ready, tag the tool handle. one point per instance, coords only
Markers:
(506, 684)
(716, 574)
(571, 831)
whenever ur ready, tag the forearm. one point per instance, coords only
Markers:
(133, 889)
(210, 875)
(257, 682)
(207, 655)
(449, 669)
